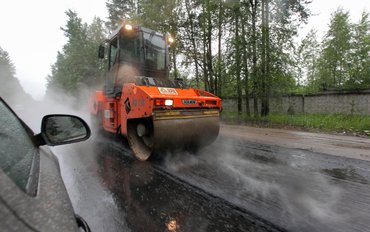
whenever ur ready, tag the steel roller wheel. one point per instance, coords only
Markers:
(146, 137)
(140, 138)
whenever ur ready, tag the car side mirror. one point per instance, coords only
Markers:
(101, 52)
(58, 129)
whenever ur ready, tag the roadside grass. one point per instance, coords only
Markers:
(339, 123)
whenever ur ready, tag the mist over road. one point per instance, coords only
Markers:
(236, 184)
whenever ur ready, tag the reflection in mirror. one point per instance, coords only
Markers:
(62, 129)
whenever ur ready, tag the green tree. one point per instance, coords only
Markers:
(7, 69)
(10, 89)
(265, 59)
(255, 92)
(77, 63)
(196, 30)
(238, 54)
(189, 34)
(220, 23)
(273, 45)
(307, 55)
(359, 70)
(96, 34)
(162, 16)
(334, 60)
(119, 10)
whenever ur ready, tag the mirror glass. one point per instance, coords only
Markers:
(62, 129)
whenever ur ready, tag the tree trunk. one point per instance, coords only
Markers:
(174, 63)
(268, 60)
(205, 66)
(209, 48)
(246, 71)
(254, 58)
(218, 80)
(237, 61)
(192, 38)
(264, 63)
(263, 59)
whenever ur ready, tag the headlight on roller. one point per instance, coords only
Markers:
(168, 102)
(163, 102)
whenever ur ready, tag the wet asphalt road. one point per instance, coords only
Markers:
(232, 185)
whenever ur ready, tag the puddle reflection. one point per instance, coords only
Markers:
(154, 201)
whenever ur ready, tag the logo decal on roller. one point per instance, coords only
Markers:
(169, 91)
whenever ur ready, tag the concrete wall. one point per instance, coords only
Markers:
(346, 102)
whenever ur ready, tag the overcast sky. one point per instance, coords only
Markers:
(30, 31)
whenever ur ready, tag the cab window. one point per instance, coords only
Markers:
(155, 52)
(112, 53)
(129, 49)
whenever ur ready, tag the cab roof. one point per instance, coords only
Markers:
(135, 27)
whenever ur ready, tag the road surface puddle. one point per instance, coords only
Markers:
(346, 174)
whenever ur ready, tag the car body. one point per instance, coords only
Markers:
(32, 193)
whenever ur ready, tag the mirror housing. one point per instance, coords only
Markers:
(101, 52)
(59, 129)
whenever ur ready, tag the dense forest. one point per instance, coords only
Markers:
(10, 89)
(233, 48)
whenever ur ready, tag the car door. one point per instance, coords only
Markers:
(32, 193)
